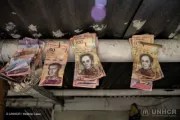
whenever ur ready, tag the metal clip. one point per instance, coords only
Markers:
(144, 43)
(59, 44)
(85, 44)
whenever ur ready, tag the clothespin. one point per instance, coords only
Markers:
(85, 44)
(59, 44)
(144, 43)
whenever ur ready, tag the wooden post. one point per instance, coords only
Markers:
(2, 99)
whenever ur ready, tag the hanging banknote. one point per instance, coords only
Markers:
(87, 65)
(136, 39)
(87, 62)
(136, 44)
(55, 62)
(88, 68)
(146, 66)
(83, 42)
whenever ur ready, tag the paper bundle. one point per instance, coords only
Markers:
(88, 68)
(146, 67)
(55, 63)
(20, 71)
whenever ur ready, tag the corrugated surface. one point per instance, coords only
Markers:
(65, 18)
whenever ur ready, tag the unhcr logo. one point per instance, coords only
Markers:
(159, 112)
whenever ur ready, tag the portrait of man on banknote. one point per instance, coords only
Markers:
(87, 61)
(53, 77)
(146, 62)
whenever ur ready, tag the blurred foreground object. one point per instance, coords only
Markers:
(20, 71)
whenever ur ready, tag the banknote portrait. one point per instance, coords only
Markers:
(53, 77)
(55, 62)
(87, 61)
(146, 62)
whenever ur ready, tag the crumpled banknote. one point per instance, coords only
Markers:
(23, 64)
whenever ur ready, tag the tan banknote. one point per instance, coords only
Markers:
(87, 61)
(82, 82)
(136, 39)
(136, 42)
(88, 67)
(55, 62)
(146, 66)
(83, 43)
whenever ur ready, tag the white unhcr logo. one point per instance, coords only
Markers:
(145, 112)
(159, 112)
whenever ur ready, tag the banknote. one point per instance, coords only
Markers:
(136, 39)
(89, 53)
(88, 68)
(21, 52)
(20, 57)
(19, 72)
(82, 82)
(147, 86)
(21, 65)
(33, 52)
(83, 43)
(55, 62)
(146, 66)
(84, 85)
(14, 63)
(29, 43)
(87, 65)
(135, 43)
(95, 82)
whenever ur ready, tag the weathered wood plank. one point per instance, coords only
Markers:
(153, 16)
(10, 22)
(119, 15)
(2, 100)
(34, 16)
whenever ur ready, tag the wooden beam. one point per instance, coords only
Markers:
(2, 94)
